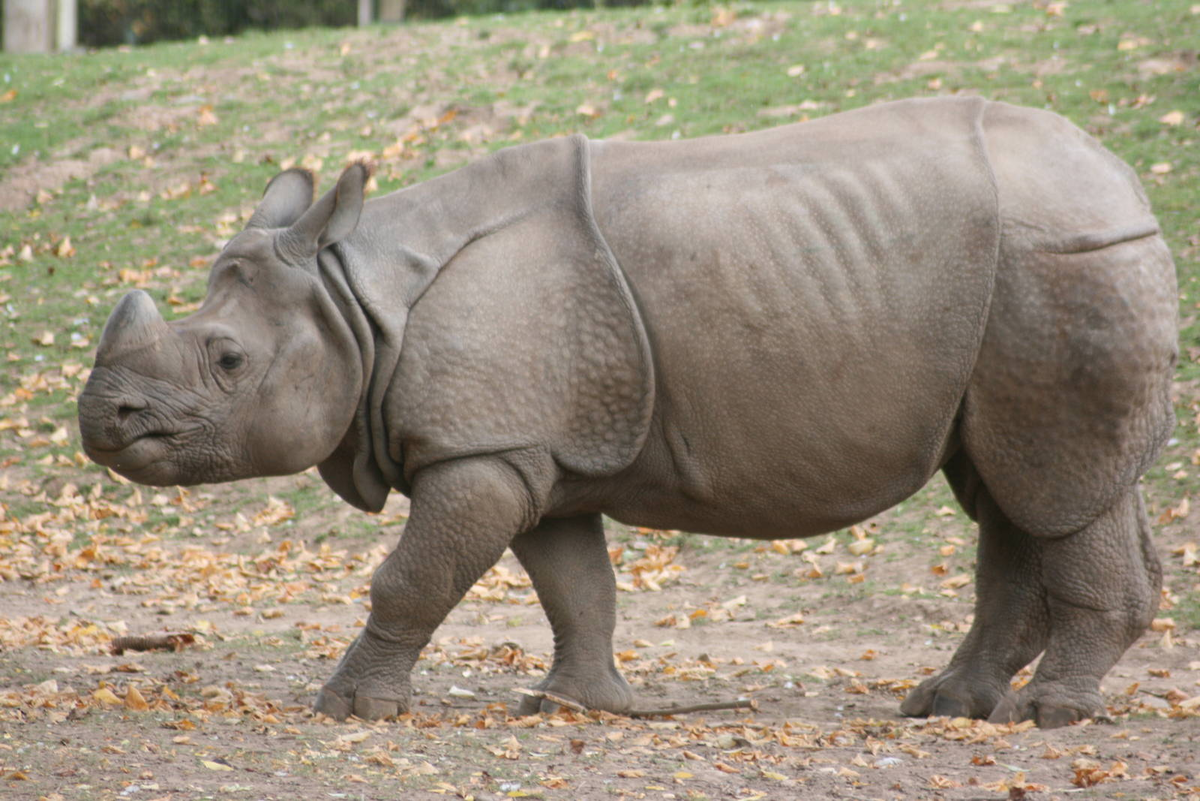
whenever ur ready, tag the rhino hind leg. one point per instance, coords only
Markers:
(1068, 404)
(1102, 586)
(1011, 617)
(567, 561)
(1082, 599)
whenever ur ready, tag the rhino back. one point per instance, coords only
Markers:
(814, 296)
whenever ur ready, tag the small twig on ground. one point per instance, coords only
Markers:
(575, 706)
(176, 641)
(741, 703)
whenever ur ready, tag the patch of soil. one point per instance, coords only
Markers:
(22, 183)
(827, 660)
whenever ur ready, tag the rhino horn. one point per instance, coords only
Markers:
(286, 198)
(327, 221)
(133, 324)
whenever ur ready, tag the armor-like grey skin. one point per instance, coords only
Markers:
(773, 334)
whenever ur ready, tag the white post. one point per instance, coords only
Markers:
(68, 24)
(391, 10)
(28, 26)
(364, 12)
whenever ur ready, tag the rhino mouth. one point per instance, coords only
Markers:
(145, 457)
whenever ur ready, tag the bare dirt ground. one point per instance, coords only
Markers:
(825, 640)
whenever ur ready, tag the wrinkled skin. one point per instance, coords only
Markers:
(767, 335)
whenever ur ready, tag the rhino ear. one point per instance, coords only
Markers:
(286, 198)
(329, 220)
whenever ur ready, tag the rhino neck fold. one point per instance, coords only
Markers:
(353, 470)
(403, 240)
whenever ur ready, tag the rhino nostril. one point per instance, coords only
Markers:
(128, 409)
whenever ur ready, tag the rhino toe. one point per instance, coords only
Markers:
(1051, 706)
(369, 708)
(951, 695)
(332, 704)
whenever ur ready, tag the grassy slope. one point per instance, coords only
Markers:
(193, 131)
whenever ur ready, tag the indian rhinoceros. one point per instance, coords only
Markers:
(770, 334)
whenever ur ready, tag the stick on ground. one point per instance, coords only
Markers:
(175, 641)
(575, 706)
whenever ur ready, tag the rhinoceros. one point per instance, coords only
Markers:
(765, 335)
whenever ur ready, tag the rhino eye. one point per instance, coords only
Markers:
(230, 361)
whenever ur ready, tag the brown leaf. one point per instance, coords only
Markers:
(135, 701)
(106, 697)
(1179, 511)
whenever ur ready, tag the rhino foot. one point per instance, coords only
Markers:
(953, 694)
(1051, 704)
(371, 681)
(340, 706)
(609, 693)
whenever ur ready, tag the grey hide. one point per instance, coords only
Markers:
(773, 334)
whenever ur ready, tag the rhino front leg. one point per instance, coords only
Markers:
(1102, 587)
(1011, 618)
(567, 560)
(464, 514)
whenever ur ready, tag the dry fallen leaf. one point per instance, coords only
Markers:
(106, 697)
(134, 700)
(1177, 512)
(956, 582)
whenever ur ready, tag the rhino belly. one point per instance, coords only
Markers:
(814, 316)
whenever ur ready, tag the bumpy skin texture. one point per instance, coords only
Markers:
(764, 335)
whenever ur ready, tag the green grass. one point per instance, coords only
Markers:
(235, 112)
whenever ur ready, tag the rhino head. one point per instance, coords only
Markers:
(263, 379)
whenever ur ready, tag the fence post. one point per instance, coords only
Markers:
(391, 10)
(364, 12)
(68, 24)
(28, 26)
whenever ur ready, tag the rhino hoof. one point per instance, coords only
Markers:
(1047, 709)
(608, 692)
(331, 704)
(536, 706)
(362, 706)
(369, 708)
(947, 696)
